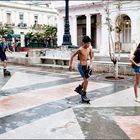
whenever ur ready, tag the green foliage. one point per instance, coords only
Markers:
(46, 32)
(5, 30)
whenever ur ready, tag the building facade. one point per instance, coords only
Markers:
(22, 17)
(90, 19)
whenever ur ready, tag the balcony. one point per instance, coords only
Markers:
(9, 24)
(37, 26)
(22, 25)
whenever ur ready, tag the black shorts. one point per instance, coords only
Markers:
(3, 56)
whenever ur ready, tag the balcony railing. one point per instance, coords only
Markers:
(10, 24)
(37, 26)
(22, 25)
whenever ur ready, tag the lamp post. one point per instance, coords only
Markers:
(67, 36)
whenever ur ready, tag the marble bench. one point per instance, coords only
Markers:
(55, 61)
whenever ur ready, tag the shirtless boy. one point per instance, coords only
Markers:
(84, 52)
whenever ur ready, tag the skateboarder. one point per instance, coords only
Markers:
(3, 48)
(84, 52)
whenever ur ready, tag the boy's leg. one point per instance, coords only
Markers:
(4, 64)
(85, 84)
(80, 87)
(83, 95)
(5, 71)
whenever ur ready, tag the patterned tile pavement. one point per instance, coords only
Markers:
(36, 103)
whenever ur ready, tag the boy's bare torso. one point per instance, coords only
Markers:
(83, 55)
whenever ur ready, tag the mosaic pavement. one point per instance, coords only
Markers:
(41, 104)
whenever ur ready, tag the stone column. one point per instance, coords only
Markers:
(134, 29)
(99, 29)
(0, 15)
(60, 30)
(135, 33)
(15, 18)
(104, 46)
(74, 30)
(3, 16)
(88, 25)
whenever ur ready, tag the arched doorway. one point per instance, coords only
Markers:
(123, 33)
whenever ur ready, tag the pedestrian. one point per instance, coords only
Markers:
(3, 48)
(135, 62)
(13, 47)
(84, 52)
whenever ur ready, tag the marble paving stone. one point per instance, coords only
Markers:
(42, 105)
(101, 123)
(62, 125)
(18, 102)
(130, 125)
(121, 98)
(20, 79)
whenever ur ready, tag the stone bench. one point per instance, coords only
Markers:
(55, 61)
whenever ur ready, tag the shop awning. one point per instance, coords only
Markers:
(10, 36)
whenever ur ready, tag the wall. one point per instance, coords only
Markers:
(29, 11)
(130, 8)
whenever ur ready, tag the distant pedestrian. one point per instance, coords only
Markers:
(84, 52)
(13, 46)
(135, 60)
(3, 48)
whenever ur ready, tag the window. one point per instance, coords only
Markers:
(126, 32)
(8, 17)
(36, 19)
(21, 17)
(125, 25)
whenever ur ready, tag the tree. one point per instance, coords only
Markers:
(112, 54)
(47, 34)
(5, 30)
(50, 32)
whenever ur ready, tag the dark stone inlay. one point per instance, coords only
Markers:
(25, 117)
(101, 92)
(98, 123)
(19, 90)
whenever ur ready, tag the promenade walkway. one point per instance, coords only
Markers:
(38, 103)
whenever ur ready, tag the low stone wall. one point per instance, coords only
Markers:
(98, 66)
(123, 68)
(34, 59)
(107, 67)
(24, 61)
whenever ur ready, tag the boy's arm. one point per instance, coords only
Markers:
(71, 59)
(90, 54)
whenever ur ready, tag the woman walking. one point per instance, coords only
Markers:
(135, 60)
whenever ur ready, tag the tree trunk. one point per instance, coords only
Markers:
(116, 70)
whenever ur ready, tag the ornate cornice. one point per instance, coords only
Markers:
(27, 7)
(87, 5)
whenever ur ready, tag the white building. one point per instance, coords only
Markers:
(23, 15)
(90, 19)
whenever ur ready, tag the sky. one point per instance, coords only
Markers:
(62, 3)
(57, 3)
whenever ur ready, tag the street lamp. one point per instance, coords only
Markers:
(67, 36)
